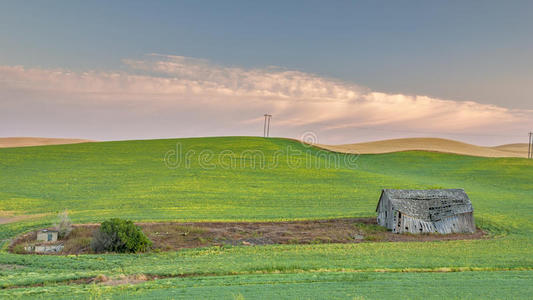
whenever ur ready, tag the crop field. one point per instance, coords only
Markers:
(257, 179)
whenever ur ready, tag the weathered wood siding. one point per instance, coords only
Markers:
(461, 223)
(448, 211)
(385, 213)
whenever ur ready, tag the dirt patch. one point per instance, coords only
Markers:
(5, 219)
(111, 281)
(174, 236)
(120, 280)
(130, 279)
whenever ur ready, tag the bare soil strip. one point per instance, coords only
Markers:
(175, 236)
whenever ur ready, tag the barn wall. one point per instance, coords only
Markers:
(461, 223)
(386, 213)
(381, 213)
(414, 225)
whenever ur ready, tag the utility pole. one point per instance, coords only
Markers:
(530, 146)
(266, 127)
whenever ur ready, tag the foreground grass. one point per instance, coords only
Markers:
(501, 254)
(130, 179)
(469, 285)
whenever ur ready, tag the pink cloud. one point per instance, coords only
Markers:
(231, 98)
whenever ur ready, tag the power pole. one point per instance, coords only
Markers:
(266, 126)
(530, 146)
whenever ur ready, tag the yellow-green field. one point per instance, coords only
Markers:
(241, 178)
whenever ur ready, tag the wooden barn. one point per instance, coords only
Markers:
(418, 211)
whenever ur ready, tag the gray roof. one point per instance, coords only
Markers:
(429, 205)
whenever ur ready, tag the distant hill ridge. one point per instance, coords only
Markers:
(11, 142)
(430, 144)
(376, 147)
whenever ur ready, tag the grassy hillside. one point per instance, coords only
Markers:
(131, 179)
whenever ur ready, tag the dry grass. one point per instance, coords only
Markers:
(79, 240)
(10, 142)
(123, 279)
(519, 149)
(430, 144)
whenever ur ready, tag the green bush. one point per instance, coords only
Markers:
(117, 235)
(19, 249)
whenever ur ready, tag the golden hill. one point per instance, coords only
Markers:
(36, 141)
(430, 144)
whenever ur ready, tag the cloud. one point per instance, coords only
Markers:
(196, 97)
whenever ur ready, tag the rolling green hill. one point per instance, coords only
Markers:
(219, 180)
(244, 178)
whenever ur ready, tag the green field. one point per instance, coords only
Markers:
(219, 179)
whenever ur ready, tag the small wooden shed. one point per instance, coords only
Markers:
(47, 235)
(419, 211)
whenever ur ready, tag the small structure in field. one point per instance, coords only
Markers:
(44, 248)
(419, 211)
(46, 235)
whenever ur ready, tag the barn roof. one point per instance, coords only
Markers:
(428, 205)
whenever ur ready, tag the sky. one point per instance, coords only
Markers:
(341, 71)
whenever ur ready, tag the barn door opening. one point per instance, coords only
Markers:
(399, 221)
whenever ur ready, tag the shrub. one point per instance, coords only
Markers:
(64, 225)
(117, 235)
(19, 249)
